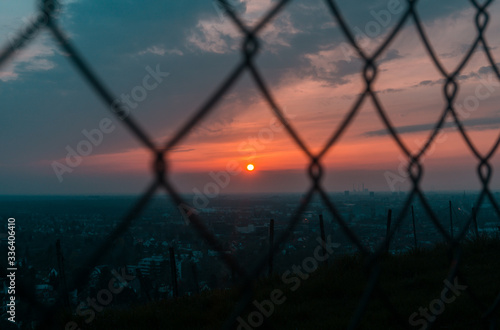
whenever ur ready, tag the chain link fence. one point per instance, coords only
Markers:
(47, 19)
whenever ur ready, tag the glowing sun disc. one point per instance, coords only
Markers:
(250, 167)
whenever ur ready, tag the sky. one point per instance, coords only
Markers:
(164, 59)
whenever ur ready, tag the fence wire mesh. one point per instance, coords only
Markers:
(47, 19)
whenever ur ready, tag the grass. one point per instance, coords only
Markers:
(329, 298)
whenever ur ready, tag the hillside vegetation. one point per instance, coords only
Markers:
(330, 296)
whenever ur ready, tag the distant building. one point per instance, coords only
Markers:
(152, 265)
(372, 194)
(346, 192)
(246, 230)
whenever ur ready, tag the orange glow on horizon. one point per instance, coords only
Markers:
(375, 153)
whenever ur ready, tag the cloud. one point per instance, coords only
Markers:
(36, 53)
(221, 36)
(213, 36)
(326, 65)
(486, 69)
(390, 90)
(479, 124)
(180, 149)
(461, 50)
(392, 54)
(35, 57)
(160, 50)
(333, 65)
(462, 77)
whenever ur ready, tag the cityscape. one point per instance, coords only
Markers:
(55, 235)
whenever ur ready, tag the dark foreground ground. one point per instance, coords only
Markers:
(328, 299)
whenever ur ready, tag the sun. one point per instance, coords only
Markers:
(250, 167)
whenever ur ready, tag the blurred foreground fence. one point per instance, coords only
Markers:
(160, 170)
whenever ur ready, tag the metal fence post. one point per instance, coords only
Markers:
(173, 270)
(474, 219)
(271, 244)
(195, 278)
(62, 274)
(451, 221)
(389, 219)
(414, 228)
(323, 237)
